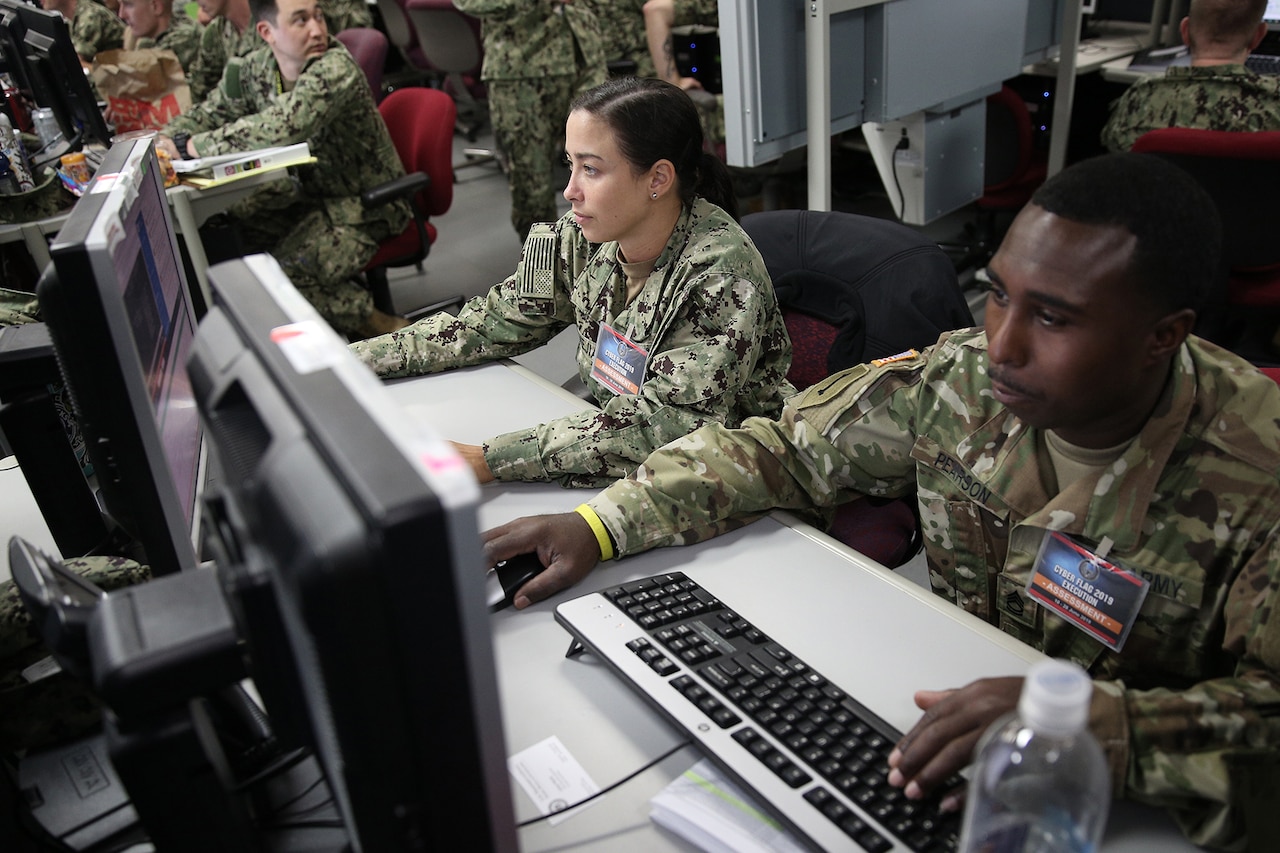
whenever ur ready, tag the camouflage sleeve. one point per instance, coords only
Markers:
(518, 315)
(183, 38)
(687, 386)
(342, 15)
(501, 7)
(1126, 123)
(1207, 751)
(848, 435)
(95, 29)
(216, 110)
(328, 89)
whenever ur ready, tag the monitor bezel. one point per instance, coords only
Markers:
(83, 305)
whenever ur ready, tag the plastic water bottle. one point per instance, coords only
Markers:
(1040, 781)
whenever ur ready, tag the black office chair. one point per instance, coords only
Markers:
(855, 288)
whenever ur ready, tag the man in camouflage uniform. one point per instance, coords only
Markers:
(346, 14)
(706, 314)
(537, 57)
(229, 35)
(1085, 407)
(305, 87)
(1217, 92)
(94, 28)
(154, 25)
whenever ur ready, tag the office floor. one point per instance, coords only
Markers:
(477, 247)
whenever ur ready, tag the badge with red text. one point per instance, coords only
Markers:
(619, 363)
(1094, 594)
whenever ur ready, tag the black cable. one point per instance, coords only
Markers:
(670, 752)
(903, 144)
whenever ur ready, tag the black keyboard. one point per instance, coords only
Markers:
(1263, 64)
(811, 753)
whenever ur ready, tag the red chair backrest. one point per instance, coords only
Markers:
(420, 121)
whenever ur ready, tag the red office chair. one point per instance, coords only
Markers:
(368, 47)
(852, 289)
(1241, 172)
(1013, 168)
(451, 44)
(420, 121)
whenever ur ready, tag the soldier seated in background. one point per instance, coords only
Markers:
(154, 24)
(229, 35)
(305, 87)
(94, 28)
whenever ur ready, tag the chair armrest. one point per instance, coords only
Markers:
(405, 187)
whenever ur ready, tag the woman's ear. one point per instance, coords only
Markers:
(662, 177)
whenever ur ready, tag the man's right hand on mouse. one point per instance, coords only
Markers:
(564, 542)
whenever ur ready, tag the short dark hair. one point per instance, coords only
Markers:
(1178, 256)
(264, 10)
(654, 120)
(1231, 23)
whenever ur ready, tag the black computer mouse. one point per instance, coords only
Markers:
(505, 579)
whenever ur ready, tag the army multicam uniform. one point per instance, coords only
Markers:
(39, 713)
(219, 43)
(538, 55)
(1220, 97)
(95, 28)
(182, 37)
(718, 350)
(1191, 504)
(321, 234)
(342, 15)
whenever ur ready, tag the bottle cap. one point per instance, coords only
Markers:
(1055, 697)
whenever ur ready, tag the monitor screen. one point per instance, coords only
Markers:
(43, 62)
(1272, 14)
(1136, 11)
(122, 319)
(348, 537)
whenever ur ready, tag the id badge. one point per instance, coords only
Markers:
(1094, 594)
(619, 363)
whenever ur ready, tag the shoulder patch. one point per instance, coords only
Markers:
(822, 402)
(537, 264)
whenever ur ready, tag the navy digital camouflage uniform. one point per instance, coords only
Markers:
(623, 35)
(1219, 97)
(182, 36)
(718, 349)
(342, 15)
(538, 55)
(1188, 707)
(57, 708)
(95, 28)
(18, 307)
(317, 229)
(219, 43)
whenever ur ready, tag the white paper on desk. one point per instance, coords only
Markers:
(552, 778)
(706, 809)
(267, 156)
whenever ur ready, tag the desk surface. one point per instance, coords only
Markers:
(609, 729)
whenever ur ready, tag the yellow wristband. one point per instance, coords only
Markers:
(598, 528)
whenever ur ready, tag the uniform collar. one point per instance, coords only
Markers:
(1001, 453)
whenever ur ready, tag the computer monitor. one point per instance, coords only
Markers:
(359, 527)
(1272, 15)
(122, 320)
(1134, 11)
(42, 60)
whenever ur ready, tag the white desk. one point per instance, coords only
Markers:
(191, 208)
(888, 627)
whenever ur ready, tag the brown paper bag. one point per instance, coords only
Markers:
(143, 88)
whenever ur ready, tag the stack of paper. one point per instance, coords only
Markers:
(706, 809)
(203, 171)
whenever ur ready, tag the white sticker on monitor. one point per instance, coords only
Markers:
(308, 345)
